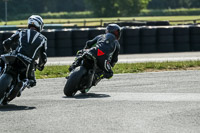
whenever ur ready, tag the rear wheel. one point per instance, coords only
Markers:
(73, 82)
(5, 82)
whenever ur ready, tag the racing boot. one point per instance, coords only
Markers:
(32, 82)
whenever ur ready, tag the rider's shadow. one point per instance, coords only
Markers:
(89, 95)
(12, 107)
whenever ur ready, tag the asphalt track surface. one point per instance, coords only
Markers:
(160, 102)
(154, 102)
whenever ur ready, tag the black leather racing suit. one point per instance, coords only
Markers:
(106, 49)
(31, 45)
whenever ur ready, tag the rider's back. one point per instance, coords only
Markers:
(30, 43)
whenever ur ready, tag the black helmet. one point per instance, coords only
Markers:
(114, 29)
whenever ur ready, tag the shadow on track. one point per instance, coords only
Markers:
(88, 95)
(12, 107)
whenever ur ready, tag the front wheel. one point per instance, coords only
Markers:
(73, 82)
(5, 82)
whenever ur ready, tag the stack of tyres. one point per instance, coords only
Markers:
(162, 23)
(63, 44)
(50, 35)
(158, 23)
(121, 42)
(165, 39)
(195, 38)
(93, 32)
(131, 40)
(79, 39)
(181, 39)
(148, 39)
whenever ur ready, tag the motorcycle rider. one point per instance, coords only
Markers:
(31, 45)
(105, 48)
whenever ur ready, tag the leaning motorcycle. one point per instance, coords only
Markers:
(12, 79)
(83, 77)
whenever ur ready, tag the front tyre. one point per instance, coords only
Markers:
(73, 82)
(5, 82)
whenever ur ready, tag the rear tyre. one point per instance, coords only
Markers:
(5, 82)
(73, 82)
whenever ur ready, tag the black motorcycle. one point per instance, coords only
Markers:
(12, 80)
(83, 77)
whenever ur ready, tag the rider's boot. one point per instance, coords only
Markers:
(32, 82)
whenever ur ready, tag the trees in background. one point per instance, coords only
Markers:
(16, 7)
(103, 8)
(100, 8)
(108, 8)
(165, 4)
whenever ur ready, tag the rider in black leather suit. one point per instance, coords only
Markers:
(105, 48)
(31, 45)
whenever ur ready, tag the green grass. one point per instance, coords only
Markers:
(146, 14)
(62, 71)
(80, 21)
(170, 12)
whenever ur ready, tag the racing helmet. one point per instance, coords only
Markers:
(36, 21)
(114, 29)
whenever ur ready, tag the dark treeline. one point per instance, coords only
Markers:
(165, 4)
(103, 8)
(40, 6)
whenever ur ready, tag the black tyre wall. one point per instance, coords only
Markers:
(181, 39)
(131, 40)
(67, 42)
(93, 32)
(50, 35)
(121, 42)
(165, 39)
(148, 39)
(157, 23)
(195, 38)
(63, 42)
(79, 39)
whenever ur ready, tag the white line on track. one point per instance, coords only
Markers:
(163, 97)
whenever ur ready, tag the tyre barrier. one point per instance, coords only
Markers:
(195, 38)
(63, 43)
(146, 39)
(131, 39)
(165, 39)
(157, 23)
(181, 39)
(93, 32)
(50, 35)
(79, 39)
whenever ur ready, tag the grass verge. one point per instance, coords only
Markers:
(62, 71)
(97, 21)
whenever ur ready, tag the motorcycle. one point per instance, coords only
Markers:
(12, 79)
(83, 77)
